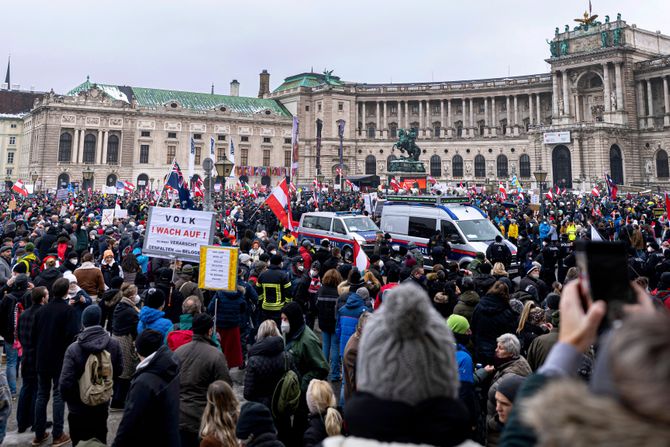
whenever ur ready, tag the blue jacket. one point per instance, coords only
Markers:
(544, 230)
(465, 367)
(231, 309)
(347, 319)
(151, 318)
(142, 260)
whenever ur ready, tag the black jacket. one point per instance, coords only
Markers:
(91, 340)
(47, 278)
(7, 309)
(110, 298)
(316, 431)
(492, 318)
(25, 332)
(264, 369)
(151, 415)
(56, 326)
(325, 306)
(125, 320)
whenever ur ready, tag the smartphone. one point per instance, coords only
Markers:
(604, 270)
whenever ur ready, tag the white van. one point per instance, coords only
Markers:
(417, 218)
(340, 228)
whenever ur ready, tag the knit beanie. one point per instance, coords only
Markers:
(363, 293)
(91, 316)
(410, 336)
(154, 298)
(148, 342)
(458, 324)
(255, 419)
(116, 282)
(509, 385)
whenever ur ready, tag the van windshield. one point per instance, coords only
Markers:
(360, 224)
(478, 230)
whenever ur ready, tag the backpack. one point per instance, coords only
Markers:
(286, 396)
(177, 338)
(96, 385)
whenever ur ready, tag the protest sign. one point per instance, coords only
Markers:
(120, 213)
(107, 216)
(174, 233)
(218, 268)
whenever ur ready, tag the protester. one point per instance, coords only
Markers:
(326, 314)
(124, 330)
(90, 278)
(351, 356)
(219, 420)
(229, 309)
(324, 419)
(255, 427)
(275, 290)
(492, 317)
(12, 305)
(152, 315)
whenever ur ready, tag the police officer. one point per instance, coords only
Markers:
(499, 252)
(549, 255)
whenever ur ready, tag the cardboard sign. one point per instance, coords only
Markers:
(107, 217)
(218, 268)
(120, 213)
(178, 234)
(12, 205)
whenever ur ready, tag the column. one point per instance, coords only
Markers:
(105, 138)
(486, 112)
(450, 118)
(641, 107)
(554, 96)
(666, 97)
(566, 94)
(578, 109)
(98, 146)
(75, 147)
(619, 86)
(80, 152)
(421, 126)
(531, 118)
(384, 120)
(516, 110)
(358, 119)
(407, 120)
(606, 82)
(650, 105)
(399, 112)
(538, 110)
(364, 129)
(427, 120)
(443, 123)
(377, 118)
(463, 116)
(494, 116)
(472, 117)
(509, 116)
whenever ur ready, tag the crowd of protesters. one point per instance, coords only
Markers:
(415, 349)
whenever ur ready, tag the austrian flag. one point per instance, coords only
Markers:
(279, 203)
(361, 260)
(20, 188)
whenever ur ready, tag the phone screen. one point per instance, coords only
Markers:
(604, 268)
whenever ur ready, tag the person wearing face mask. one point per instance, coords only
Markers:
(549, 257)
(417, 276)
(124, 329)
(70, 263)
(300, 281)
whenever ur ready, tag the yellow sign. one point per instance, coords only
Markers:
(218, 268)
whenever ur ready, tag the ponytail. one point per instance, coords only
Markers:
(333, 422)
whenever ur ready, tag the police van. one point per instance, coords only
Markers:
(417, 218)
(340, 228)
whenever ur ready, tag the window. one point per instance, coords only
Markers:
(451, 233)
(322, 223)
(244, 156)
(393, 130)
(9, 171)
(524, 166)
(371, 130)
(221, 137)
(172, 134)
(10, 158)
(414, 109)
(13, 126)
(65, 147)
(457, 166)
(436, 109)
(287, 141)
(338, 227)
(113, 149)
(503, 126)
(267, 140)
(287, 159)
(244, 139)
(197, 136)
(388, 161)
(501, 163)
(481, 126)
(266, 157)
(435, 166)
(459, 128)
(198, 154)
(318, 106)
(662, 164)
(12, 141)
(421, 227)
(144, 153)
(306, 108)
(340, 106)
(480, 166)
(145, 133)
(393, 108)
(89, 149)
(171, 154)
(370, 165)
(437, 130)
(220, 153)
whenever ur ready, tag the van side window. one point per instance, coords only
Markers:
(421, 227)
(449, 230)
(309, 222)
(323, 223)
(338, 227)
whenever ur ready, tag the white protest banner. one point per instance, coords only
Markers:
(120, 213)
(109, 190)
(368, 203)
(178, 234)
(218, 268)
(107, 217)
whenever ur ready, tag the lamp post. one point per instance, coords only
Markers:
(223, 169)
(207, 165)
(151, 184)
(8, 182)
(540, 176)
(87, 175)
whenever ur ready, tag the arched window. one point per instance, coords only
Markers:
(457, 166)
(113, 149)
(65, 147)
(480, 166)
(616, 164)
(370, 165)
(662, 170)
(142, 182)
(63, 181)
(435, 166)
(388, 161)
(501, 166)
(524, 166)
(89, 149)
(111, 180)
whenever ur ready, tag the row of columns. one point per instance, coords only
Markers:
(101, 141)
(563, 100)
(381, 114)
(646, 112)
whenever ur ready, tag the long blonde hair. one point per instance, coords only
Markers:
(220, 417)
(321, 399)
(524, 315)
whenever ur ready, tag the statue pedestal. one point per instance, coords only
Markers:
(400, 166)
(410, 179)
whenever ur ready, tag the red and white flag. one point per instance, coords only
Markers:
(279, 203)
(549, 195)
(361, 260)
(351, 185)
(431, 179)
(291, 188)
(395, 185)
(198, 186)
(127, 186)
(595, 191)
(503, 192)
(20, 188)
(565, 190)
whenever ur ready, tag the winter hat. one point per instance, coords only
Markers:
(5, 248)
(532, 267)
(154, 298)
(553, 299)
(458, 324)
(116, 282)
(21, 281)
(107, 253)
(254, 420)
(70, 277)
(516, 305)
(355, 278)
(316, 265)
(91, 316)
(363, 293)
(509, 385)
(407, 335)
(275, 260)
(20, 267)
(202, 323)
(148, 342)
(245, 259)
(187, 270)
(30, 247)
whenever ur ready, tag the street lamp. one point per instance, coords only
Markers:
(151, 184)
(540, 176)
(87, 175)
(34, 176)
(223, 169)
(8, 182)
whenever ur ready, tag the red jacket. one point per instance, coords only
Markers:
(306, 257)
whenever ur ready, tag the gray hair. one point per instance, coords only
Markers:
(268, 328)
(510, 344)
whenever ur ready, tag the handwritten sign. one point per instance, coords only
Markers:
(176, 233)
(218, 268)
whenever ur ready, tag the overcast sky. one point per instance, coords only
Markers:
(188, 45)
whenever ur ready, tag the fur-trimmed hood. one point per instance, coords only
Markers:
(566, 413)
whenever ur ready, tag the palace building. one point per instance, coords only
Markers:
(604, 107)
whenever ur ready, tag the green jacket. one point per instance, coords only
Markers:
(308, 357)
(186, 324)
(82, 239)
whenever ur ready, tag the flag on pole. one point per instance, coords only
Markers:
(395, 185)
(278, 201)
(198, 187)
(595, 191)
(595, 236)
(549, 195)
(361, 260)
(20, 188)
(231, 154)
(431, 179)
(351, 185)
(212, 150)
(191, 159)
(294, 144)
(502, 191)
(611, 187)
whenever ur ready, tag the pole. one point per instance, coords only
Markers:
(340, 132)
(208, 192)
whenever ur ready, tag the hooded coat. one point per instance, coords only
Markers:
(492, 318)
(265, 367)
(347, 319)
(466, 304)
(151, 318)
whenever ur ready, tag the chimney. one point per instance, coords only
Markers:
(234, 88)
(264, 84)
